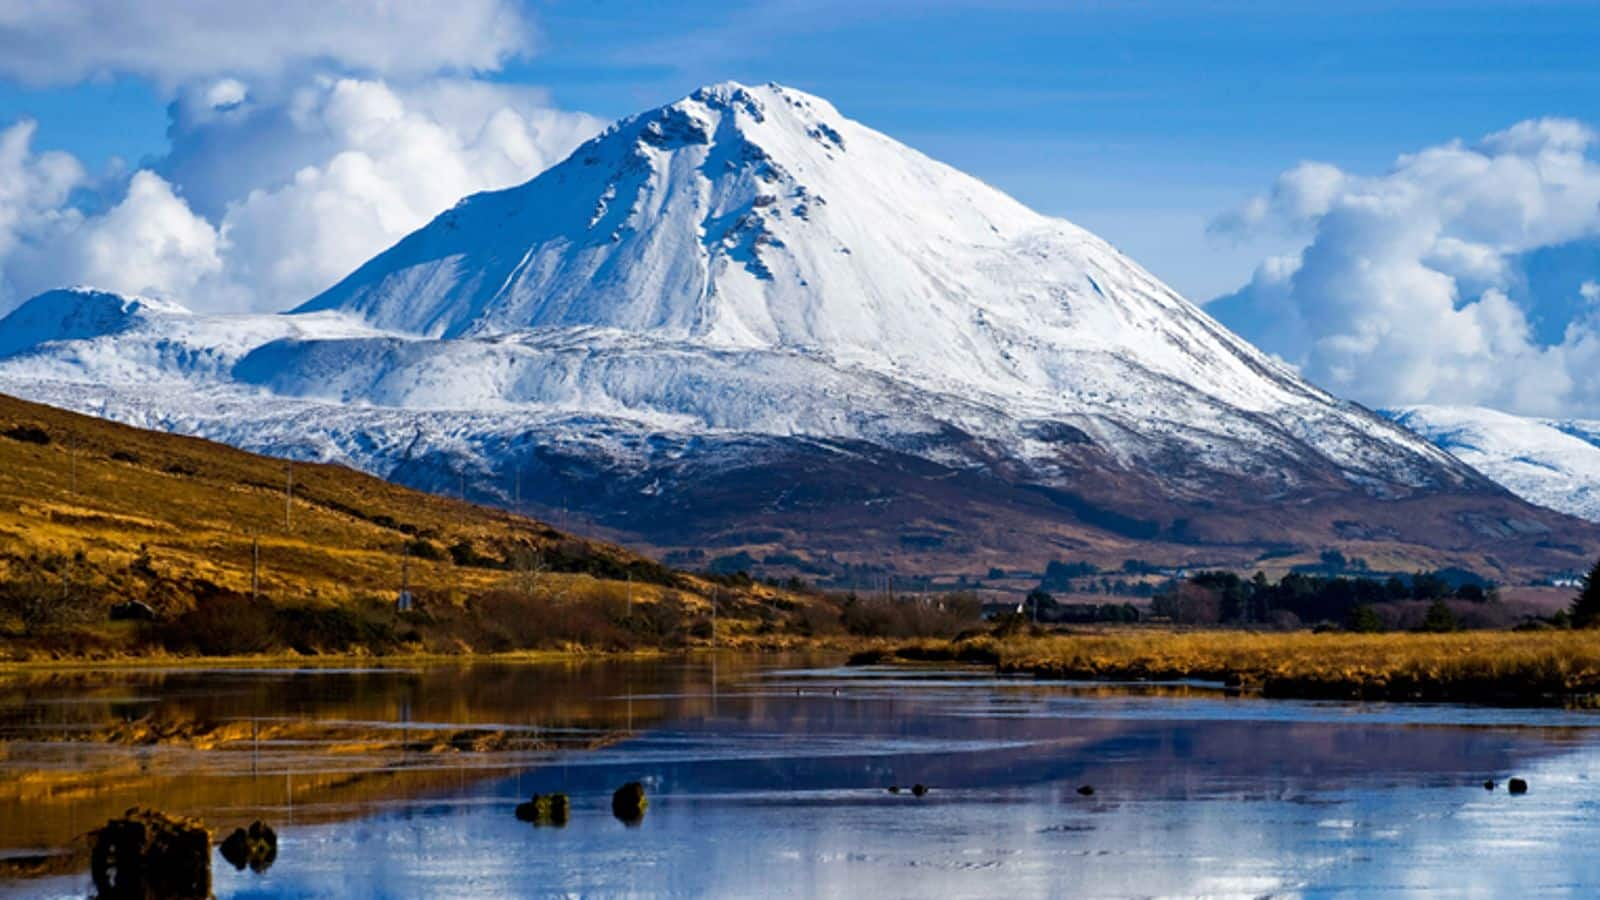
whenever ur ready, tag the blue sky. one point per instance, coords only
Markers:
(1141, 120)
(1157, 124)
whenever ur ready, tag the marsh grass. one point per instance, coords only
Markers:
(1533, 668)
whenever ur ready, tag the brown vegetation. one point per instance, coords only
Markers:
(1517, 668)
(117, 541)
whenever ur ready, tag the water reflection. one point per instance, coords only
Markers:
(773, 781)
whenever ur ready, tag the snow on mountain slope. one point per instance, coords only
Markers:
(760, 225)
(742, 270)
(1553, 463)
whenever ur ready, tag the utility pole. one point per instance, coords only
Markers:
(72, 454)
(403, 603)
(255, 568)
(713, 618)
(288, 495)
(630, 595)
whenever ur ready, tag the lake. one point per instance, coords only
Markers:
(769, 776)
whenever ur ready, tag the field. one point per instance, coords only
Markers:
(1537, 668)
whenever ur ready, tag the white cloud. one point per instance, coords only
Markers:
(173, 41)
(149, 243)
(305, 136)
(33, 192)
(1411, 287)
(269, 197)
(397, 159)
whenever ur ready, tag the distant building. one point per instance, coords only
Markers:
(995, 610)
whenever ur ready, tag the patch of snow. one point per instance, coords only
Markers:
(1553, 463)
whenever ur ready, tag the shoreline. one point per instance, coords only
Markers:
(372, 660)
(1497, 668)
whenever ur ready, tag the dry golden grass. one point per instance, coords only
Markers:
(1538, 667)
(93, 513)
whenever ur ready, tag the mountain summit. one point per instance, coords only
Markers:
(745, 320)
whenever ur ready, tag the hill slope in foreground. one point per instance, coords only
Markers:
(95, 514)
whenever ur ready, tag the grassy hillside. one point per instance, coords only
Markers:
(95, 514)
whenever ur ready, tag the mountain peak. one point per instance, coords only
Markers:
(73, 313)
(746, 216)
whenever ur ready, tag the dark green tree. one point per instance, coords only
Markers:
(1439, 618)
(1365, 619)
(1586, 606)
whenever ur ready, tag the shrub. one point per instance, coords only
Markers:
(28, 434)
(223, 625)
(942, 616)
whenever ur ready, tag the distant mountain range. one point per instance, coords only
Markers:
(743, 323)
(1551, 462)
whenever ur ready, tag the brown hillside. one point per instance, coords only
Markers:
(93, 514)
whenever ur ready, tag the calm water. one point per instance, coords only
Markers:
(769, 779)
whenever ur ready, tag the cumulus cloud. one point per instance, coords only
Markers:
(173, 41)
(391, 160)
(265, 200)
(1436, 281)
(149, 243)
(305, 136)
(33, 187)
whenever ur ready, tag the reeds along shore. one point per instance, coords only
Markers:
(1547, 668)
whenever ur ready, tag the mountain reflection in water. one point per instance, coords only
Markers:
(769, 777)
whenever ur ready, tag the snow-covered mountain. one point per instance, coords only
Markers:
(742, 309)
(1551, 462)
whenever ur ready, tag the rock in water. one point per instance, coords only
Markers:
(919, 789)
(546, 809)
(1517, 786)
(628, 803)
(256, 847)
(1086, 790)
(149, 854)
(560, 810)
(1489, 785)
